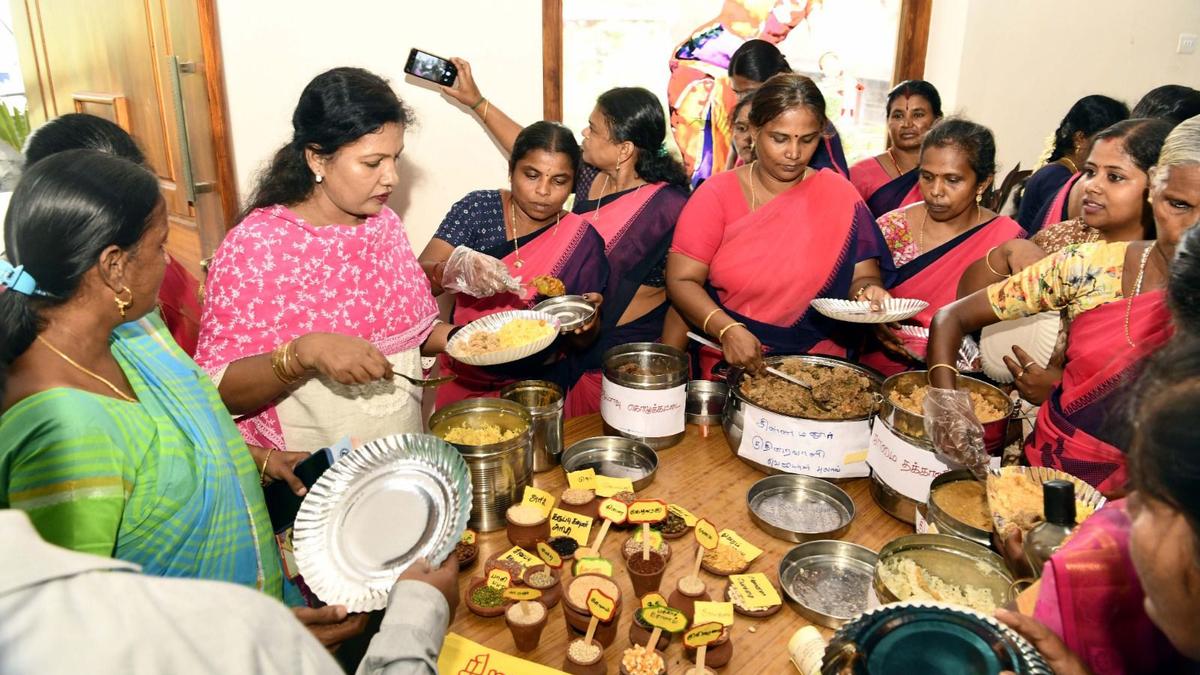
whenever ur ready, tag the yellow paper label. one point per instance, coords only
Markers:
(647, 511)
(666, 618)
(549, 555)
(593, 566)
(522, 593)
(521, 557)
(749, 551)
(461, 656)
(607, 487)
(468, 537)
(755, 590)
(714, 612)
(689, 518)
(584, 479)
(600, 605)
(703, 634)
(653, 600)
(539, 499)
(706, 534)
(611, 509)
(498, 579)
(568, 524)
(656, 539)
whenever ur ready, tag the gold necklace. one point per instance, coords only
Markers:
(754, 193)
(512, 211)
(1067, 162)
(894, 162)
(1137, 288)
(925, 218)
(87, 372)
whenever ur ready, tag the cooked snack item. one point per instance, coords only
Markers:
(724, 559)
(549, 286)
(985, 410)
(845, 392)
(637, 660)
(485, 434)
(1016, 501)
(966, 501)
(909, 581)
(515, 333)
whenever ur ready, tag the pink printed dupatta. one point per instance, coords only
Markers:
(275, 277)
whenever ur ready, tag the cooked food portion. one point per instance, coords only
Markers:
(515, 333)
(1015, 499)
(845, 392)
(485, 434)
(549, 286)
(914, 403)
(909, 581)
(965, 501)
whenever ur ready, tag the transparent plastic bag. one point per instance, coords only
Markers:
(477, 274)
(951, 425)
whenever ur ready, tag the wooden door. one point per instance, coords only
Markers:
(152, 66)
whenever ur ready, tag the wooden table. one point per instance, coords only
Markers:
(703, 476)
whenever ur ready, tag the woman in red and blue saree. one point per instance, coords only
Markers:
(933, 241)
(1113, 292)
(1072, 141)
(755, 245)
(526, 230)
(888, 181)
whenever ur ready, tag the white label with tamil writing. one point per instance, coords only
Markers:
(649, 413)
(902, 466)
(808, 447)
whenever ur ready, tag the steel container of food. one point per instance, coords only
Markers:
(947, 523)
(911, 426)
(643, 394)
(544, 401)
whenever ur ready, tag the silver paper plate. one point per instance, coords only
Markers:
(375, 512)
(572, 311)
(492, 323)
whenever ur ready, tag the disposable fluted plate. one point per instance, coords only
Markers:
(968, 351)
(375, 512)
(1085, 494)
(930, 637)
(1037, 335)
(492, 323)
(854, 311)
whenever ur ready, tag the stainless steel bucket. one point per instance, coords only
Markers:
(643, 395)
(544, 401)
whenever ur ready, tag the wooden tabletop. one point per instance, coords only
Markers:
(703, 476)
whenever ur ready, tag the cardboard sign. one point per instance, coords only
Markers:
(611, 509)
(540, 499)
(669, 619)
(653, 600)
(549, 555)
(593, 566)
(468, 537)
(714, 612)
(703, 634)
(498, 579)
(645, 413)
(755, 590)
(584, 479)
(813, 448)
(460, 655)
(607, 487)
(656, 539)
(647, 511)
(601, 605)
(520, 594)
(706, 534)
(749, 551)
(521, 557)
(569, 524)
(688, 518)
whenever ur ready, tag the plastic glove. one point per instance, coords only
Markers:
(477, 274)
(956, 434)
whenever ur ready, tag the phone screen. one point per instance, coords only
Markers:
(429, 67)
(282, 503)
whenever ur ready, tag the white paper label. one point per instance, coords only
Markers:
(904, 467)
(809, 447)
(650, 413)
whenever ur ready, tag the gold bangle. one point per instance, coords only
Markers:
(987, 260)
(704, 326)
(721, 335)
(940, 365)
(262, 475)
(486, 104)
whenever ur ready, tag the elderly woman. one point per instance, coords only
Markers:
(888, 181)
(315, 299)
(1113, 292)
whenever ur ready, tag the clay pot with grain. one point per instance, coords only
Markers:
(686, 602)
(718, 654)
(526, 635)
(527, 536)
(639, 634)
(590, 508)
(578, 618)
(645, 581)
(486, 612)
(550, 594)
(661, 671)
(594, 667)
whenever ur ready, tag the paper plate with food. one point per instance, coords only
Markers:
(859, 311)
(503, 337)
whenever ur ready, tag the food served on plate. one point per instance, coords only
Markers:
(484, 434)
(909, 581)
(965, 501)
(914, 402)
(1016, 502)
(515, 333)
(549, 286)
(845, 391)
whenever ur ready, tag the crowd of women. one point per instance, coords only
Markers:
(116, 442)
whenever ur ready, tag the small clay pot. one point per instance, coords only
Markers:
(527, 536)
(577, 625)
(755, 613)
(590, 508)
(486, 612)
(631, 545)
(718, 653)
(551, 594)
(596, 667)
(569, 556)
(469, 556)
(526, 635)
(661, 671)
(707, 670)
(686, 602)
(640, 635)
(646, 581)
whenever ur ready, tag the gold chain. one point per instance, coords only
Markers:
(512, 210)
(753, 193)
(1137, 288)
(87, 372)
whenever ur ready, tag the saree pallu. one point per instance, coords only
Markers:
(933, 277)
(1074, 429)
(570, 251)
(1092, 599)
(896, 193)
(179, 304)
(1058, 209)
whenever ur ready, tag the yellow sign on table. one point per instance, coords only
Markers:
(755, 590)
(601, 605)
(647, 511)
(706, 534)
(593, 566)
(667, 618)
(653, 599)
(568, 524)
(749, 551)
(607, 487)
(552, 558)
(718, 612)
(611, 509)
(522, 593)
(703, 634)
(584, 479)
(468, 537)
(521, 557)
(461, 656)
(499, 579)
(540, 499)
(689, 518)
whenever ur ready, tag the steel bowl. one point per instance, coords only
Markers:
(953, 559)
(572, 311)
(836, 569)
(797, 493)
(892, 502)
(944, 521)
(615, 457)
(911, 426)
(705, 402)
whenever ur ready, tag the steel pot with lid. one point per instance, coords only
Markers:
(643, 394)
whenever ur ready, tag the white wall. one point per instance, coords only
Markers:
(1018, 65)
(272, 48)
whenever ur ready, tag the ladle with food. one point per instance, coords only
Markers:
(821, 395)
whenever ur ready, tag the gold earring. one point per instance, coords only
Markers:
(123, 305)
(979, 198)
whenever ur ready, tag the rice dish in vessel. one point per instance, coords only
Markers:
(485, 434)
(909, 581)
(845, 391)
(515, 333)
(914, 402)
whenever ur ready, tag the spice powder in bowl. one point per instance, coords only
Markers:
(725, 559)
(965, 501)
(578, 591)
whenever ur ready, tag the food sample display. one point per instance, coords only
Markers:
(515, 333)
(985, 410)
(966, 501)
(481, 434)
(843, 393)
(637, 660)
(724, 559)
(909, 581)
(549, 286)
(1015, 501)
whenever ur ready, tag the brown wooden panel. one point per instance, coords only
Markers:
(552, 59)
(112, 107)
(912, 43)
